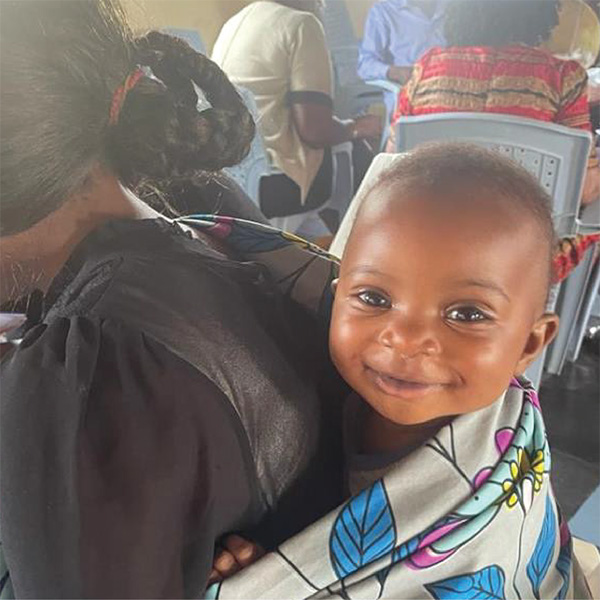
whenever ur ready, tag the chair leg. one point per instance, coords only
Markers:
(591, 294)
(570, 305)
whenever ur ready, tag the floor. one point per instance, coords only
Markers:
(571, 406)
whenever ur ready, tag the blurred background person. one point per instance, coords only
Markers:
(278, 51)
(493, 64)
(396, 34)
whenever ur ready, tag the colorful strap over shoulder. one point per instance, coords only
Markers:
(301, 269)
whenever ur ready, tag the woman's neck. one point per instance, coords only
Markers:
(31, 259)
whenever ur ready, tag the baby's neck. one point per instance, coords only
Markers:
(380, 435)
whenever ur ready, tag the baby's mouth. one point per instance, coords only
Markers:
(412, 388)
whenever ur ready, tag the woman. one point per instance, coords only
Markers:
(164, 393)
(492, 64)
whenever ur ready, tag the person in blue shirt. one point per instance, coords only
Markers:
(397, 33)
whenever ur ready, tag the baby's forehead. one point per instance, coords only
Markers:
(455, 206)
(468, 212)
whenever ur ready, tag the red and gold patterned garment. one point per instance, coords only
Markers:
(516, 80)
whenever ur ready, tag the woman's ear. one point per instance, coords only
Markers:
(542, 333)
(334, 285)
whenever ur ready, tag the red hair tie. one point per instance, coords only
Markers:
(120, 94)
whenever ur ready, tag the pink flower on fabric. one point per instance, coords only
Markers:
(482, 476)
(425, 556)
(565, 534)
(504, 438)
(533, 398)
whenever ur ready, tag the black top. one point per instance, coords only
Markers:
(168, 396)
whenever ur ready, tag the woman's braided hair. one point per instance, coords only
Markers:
(60, 65)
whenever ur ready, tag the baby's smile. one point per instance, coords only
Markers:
(407, 387)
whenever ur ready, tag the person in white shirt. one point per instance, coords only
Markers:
(277, 50)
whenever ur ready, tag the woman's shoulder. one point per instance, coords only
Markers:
(74, 352)
(540, 56)
(131, 271)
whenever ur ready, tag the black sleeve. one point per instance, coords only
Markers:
(120, 466)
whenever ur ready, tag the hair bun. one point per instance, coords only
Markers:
(161, 133)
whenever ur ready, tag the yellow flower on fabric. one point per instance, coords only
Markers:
(537, 465)
(523, 466)
(508, 486)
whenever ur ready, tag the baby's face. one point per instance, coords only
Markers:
(438, 306)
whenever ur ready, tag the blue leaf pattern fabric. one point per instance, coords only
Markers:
(563, 565)
(363, 531)
(406, 549)
(486, 584)
(540, 561)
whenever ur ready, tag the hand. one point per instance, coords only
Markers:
(399, 74)
(593, 92)
(236, 554)
(368, 126)
(591, 185)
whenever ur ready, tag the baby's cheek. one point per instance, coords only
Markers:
(344, 341)
(489, 372)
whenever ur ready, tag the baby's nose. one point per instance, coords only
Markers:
(409, 336)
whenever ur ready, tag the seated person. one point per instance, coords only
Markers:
(277, 50)
(492, 64)
(439, 309)
(397, 33)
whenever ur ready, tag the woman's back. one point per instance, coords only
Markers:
(515, 79)
(179, 404)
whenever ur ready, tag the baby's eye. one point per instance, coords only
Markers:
(374, 299)
(467, 314)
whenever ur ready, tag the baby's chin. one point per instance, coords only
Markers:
(411, 418)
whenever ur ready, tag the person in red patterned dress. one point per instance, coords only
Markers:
(492, 64)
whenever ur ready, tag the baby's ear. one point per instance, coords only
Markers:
(334, 285)
(542, 333)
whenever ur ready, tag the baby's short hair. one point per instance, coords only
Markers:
(442, 167)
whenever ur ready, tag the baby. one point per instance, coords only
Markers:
(442, 291)
(439, 306)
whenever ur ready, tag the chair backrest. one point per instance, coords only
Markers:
(344, 60)
(351, 94)
(248, 172)
(554, 154)
(338, 26)
(191, 36)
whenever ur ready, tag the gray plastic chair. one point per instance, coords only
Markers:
(574, 306)
(256, 165)
(390, 87)
(338, 25)
(311, 225)
(351, 94)
(248, 172)
(556, 155)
